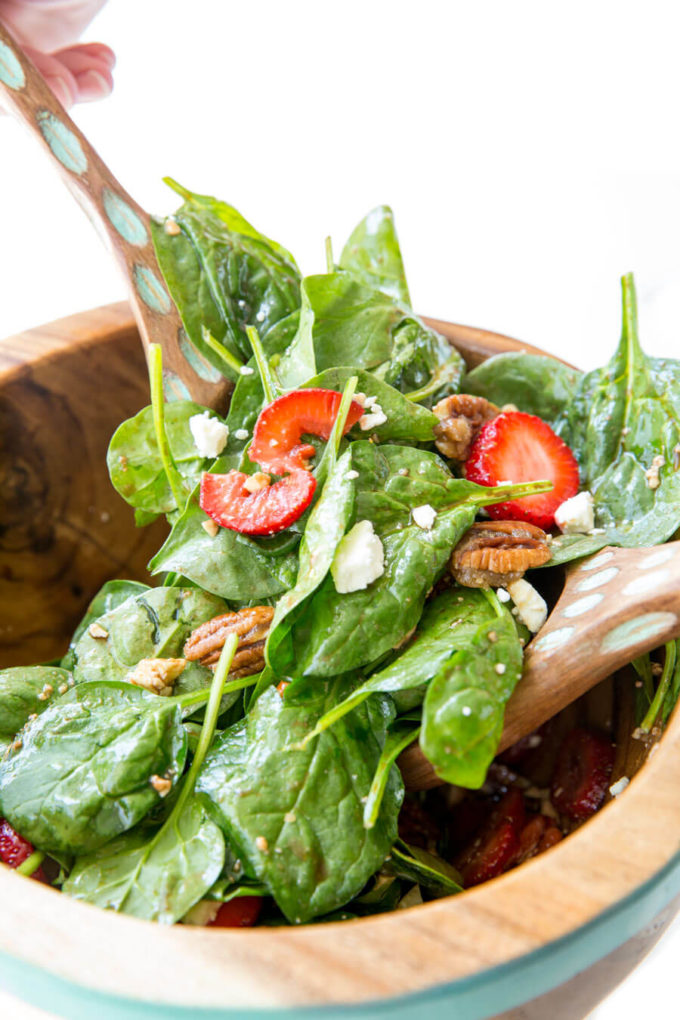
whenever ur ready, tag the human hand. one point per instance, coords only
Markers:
(47, 31)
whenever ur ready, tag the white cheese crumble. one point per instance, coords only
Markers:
(241, 433)
(619, 786)
(210, 434)
(576, 516)
(351, 475)
(531, 606)
(503, 595)
(359, 559)
(246, 370)
(424, 516)
(373, 419)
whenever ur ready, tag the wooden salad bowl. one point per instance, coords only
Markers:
(595, 903)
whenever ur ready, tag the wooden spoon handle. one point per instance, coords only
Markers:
(615, 606)
(125, 224)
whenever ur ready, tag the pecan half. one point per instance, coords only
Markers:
(252, 626)
(495, 553)
(156, 675)
(461, 416)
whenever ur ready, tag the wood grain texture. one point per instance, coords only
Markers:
(92, 360)
(123, 224)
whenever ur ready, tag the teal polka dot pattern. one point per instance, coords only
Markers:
(124, 219)
(11, 71)
(174, 388)
(63, 143)
(151, 290)
(200, 365)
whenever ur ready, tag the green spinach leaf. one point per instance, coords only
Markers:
(83, 772)
(109, 597)
(372, 254)
(624, 428)
(423, 363)
(152, 625)
(533, 383)
(465, 703)
(223, 275)
(134, 461)
(296, 817)
(428, 870)
(21, 688)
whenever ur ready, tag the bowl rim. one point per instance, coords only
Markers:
(631, 842)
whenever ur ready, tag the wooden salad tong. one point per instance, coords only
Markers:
(124, 224)
(615, 605)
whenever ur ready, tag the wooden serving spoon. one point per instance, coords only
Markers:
(125, 226)
(615, 606)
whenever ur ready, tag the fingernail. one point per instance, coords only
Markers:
(61, 91)
(93, 85)
(109, 56)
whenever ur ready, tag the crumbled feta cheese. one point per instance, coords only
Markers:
(359, 559)
(424, 516)
(246, 370)
(652, 473)
(373, 419)
(202, 913)
(576, 516)
(360, 398)
(503, 595)
(371, 402)
(530, 606)
(619, 786)
(241, 433)
(351, 475)
(500, 668)
(260, 316)
(210, 434)
(404, 472)
(466, 710)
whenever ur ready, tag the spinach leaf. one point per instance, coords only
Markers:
(159, 876)
(109, 596)
(20, 690)
(223, 274)
(153, 625)
(134, 461)
(428, 870)
(624, 428)
(535, 384)
(334, 633)
(405, 420)
(296, 817)
(372, 254)
(465, 703)
(83, 772)
(326, 526)
(231, 565)
(565, 548)
(422, 362)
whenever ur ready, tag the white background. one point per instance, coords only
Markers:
(529, 149)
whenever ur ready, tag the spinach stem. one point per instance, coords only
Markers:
(493, 600)
(158, 411)
(198, 697)
(643, 667)
(662, 689)
(334, 715)
(503, 492)
(330, 264)
(330, 454)
(230, 360)
(394, 745)
(436, 382)
(208, 729)
(271, 390)
(31, 864)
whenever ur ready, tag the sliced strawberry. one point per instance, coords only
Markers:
(582, 773)
(539, 834)
(241, 912)
(276, 444)
(496, 847)
(270, 509)
(14, 849)
(517, 447)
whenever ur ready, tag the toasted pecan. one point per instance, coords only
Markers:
(252, 626)
(495, 553)
(461, 416)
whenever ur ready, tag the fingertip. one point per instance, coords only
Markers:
(93, 85)
(62, 90)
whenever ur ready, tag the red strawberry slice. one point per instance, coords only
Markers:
(14, 849)
(241, 912)
(496, 847)
(276, 444)
(582, 773)
(518, 447)
(226, 500)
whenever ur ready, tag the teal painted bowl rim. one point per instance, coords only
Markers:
(489, 948)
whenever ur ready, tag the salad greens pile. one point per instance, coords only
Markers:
(284, 784)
